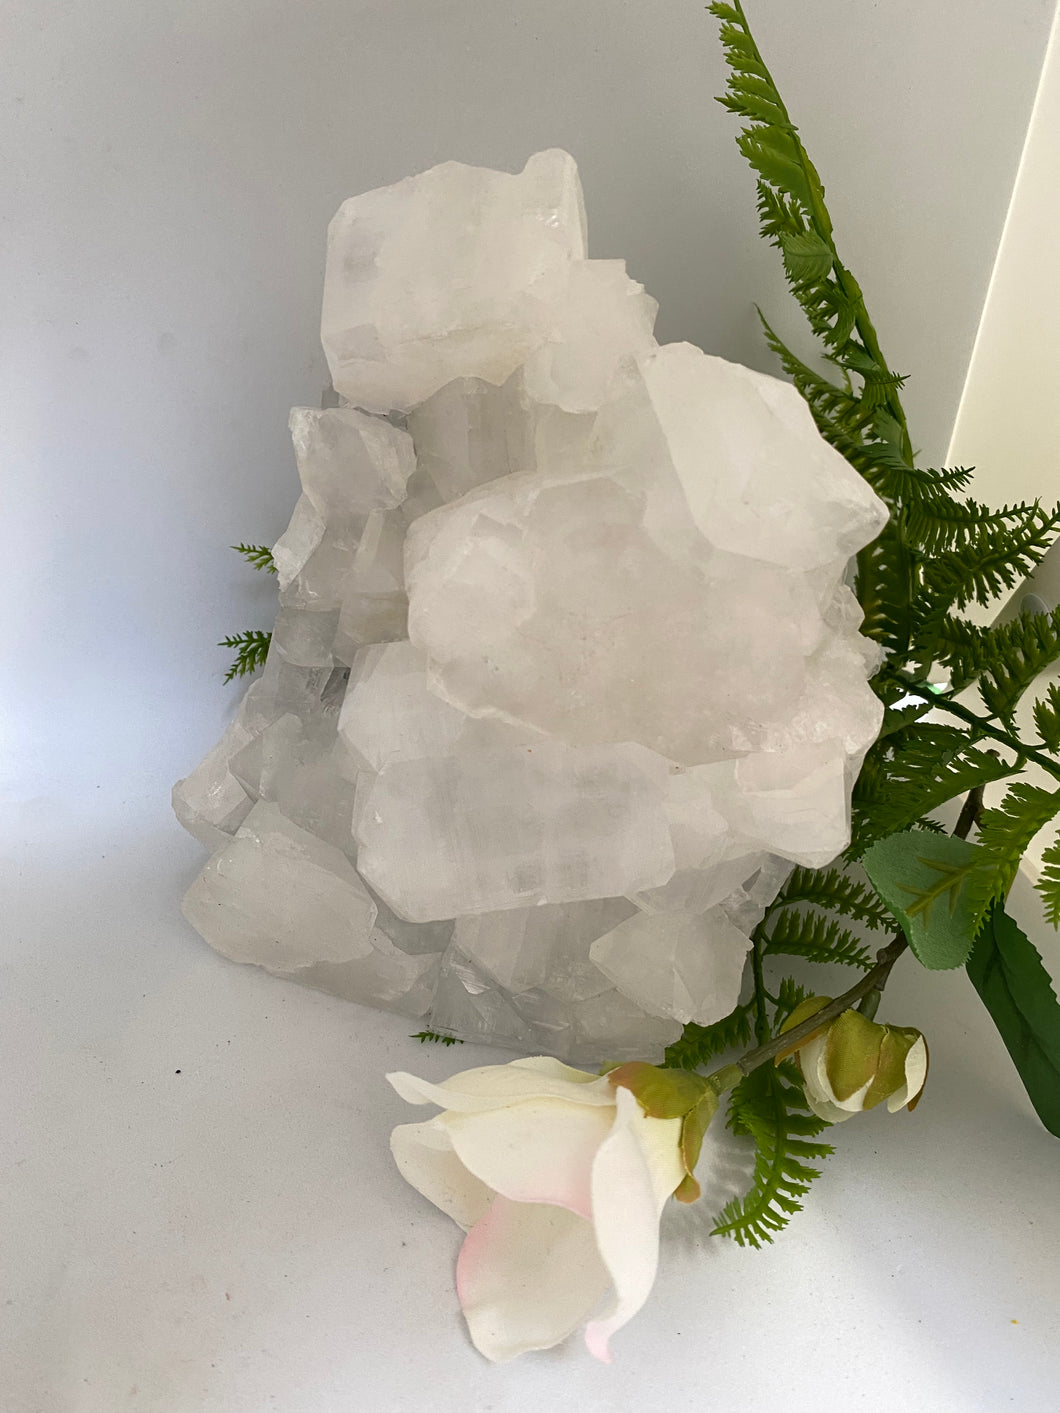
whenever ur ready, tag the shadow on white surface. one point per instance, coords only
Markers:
(202, 1215)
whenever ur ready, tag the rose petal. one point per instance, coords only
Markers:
(545, 1064)
(825, 1109)
(527, 1276)
(425, 1159)
(492, 1086)
(636, 1169)
(540, 1150)
(916, 1068)
(820, 1096)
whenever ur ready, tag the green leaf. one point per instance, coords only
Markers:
(922, 878)
(834, 891)
(661, 1093)
(700, 1043)
(695, 1124)
(806, 256)
(925, 766)
(770, 1107)
(1018, 653)
(260, 556)
(1007, 971)
(252, 650)
(1048, 884)
(818, 938)
(1004, 836)
(435, 1037)
(1047, 718)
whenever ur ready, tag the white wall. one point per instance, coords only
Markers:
(169, 170)
(1008, 425)
(1008, 422)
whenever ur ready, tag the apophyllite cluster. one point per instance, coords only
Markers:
(566, 674)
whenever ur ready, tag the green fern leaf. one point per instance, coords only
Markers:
(1018, 652)
(806, 257)
(820, 939)
(884, 590)
(435, 1037)
(991, 559)
(260, 556)
(1047, 718)
(832, 891)
(769, 1106)
(962, 648)
(790, 993)
(932, 765)
(1049, 882)
(700, 1043)
(935, 521)
(252, 648)
(1004, 836)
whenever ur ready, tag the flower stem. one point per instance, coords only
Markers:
(865, 994)
(874, 980)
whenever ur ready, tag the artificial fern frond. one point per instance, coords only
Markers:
(260, 556)
(1049, 882)
(770, 1107)
(1004, 835)
(961, 648)
(992, 558)
(700, 1043)
(1017, 653)
(935, 521)
(934, 765)
(820, 939)
(833, 891)
(435, 1037)
(790, 993)
(1047, 718)
(884, 589)
(794, 217)
(252, 648)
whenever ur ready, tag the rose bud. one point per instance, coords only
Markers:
(852, 1063)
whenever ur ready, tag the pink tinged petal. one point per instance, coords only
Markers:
(916, 1068)
(492, 1086)
(540, 1150)
(425, 1159)
(527, 1276)
(636, 1169)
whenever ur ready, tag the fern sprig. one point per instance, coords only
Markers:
(816, 937)
(260, 556)
(1005, 834)
(769, 1107)
(833, 891)
(252, 648)
(699, 1044)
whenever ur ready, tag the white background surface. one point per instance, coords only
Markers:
(229, 1239)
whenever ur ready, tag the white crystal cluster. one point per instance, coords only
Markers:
(565, 674)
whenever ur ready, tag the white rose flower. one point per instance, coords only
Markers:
(559, 1179)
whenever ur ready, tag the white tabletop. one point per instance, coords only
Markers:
(202, 1216)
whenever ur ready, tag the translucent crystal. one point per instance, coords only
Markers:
(512, 827)
(449, 274)
(277, 895)
(566, 675)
